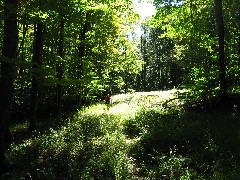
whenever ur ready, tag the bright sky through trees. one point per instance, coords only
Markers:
(145, 9)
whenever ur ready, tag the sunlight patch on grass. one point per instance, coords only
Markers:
(119, 108)
(97, 109)
(130, 103)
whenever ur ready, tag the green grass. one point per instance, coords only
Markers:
(143, 136)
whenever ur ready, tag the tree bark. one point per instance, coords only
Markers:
(144, 56)
(59, 66)
(21, 70)
(36, 65)
(221, 61)
(82, 51)
(9, 52)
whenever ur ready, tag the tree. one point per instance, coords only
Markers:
(222, 66)
(36, 76)
(59, 66)
(9, 55)
(161, 69)
(83, 54)
(191, 26)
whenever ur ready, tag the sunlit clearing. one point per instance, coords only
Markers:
(129, 104)
(95, 109)
(120, 108)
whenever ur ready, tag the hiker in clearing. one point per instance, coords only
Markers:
(107, 101)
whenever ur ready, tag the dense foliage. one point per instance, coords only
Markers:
(71, 52)
(59, 57)
(82, 49)
(193, 27)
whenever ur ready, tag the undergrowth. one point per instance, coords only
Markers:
(143, 136)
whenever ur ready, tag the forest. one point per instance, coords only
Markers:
(174, 86)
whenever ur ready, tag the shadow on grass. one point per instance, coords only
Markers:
(86, 147)
(178, 144)
(164, 144)
(25, 154)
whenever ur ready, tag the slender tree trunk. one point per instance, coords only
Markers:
(144, 70)
(36, 65)
(82, 51)
(59, 66)
(9, 52)
(173, 75)
(222, 66)
(158, 63)
(22, 55)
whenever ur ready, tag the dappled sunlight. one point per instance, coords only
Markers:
(128, 103)
(119, 108)
(94, 109)
(63, 63)
(137, 138)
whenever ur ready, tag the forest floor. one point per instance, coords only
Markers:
(144, 135)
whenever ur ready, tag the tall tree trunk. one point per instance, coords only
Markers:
(158, 64)
(82, 51)
(21, 71)
(36, 65)
(144, 68)
(222, 66)
(9, 52)
(59, 66)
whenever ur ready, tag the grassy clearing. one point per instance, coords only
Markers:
(143, 136)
